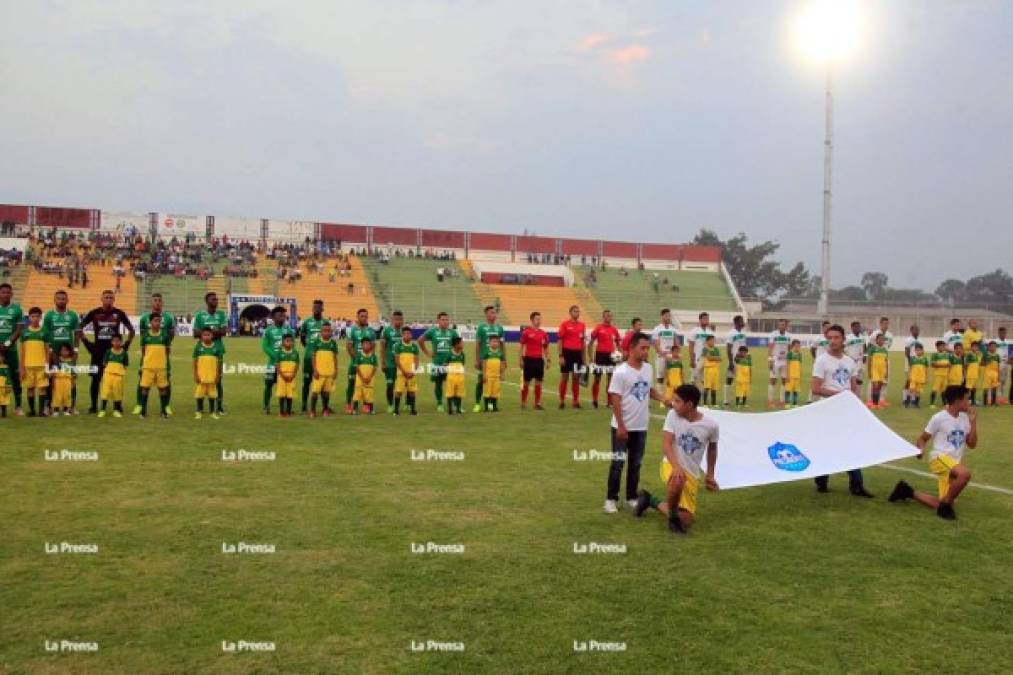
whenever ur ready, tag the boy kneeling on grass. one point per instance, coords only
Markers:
(688, 433)
(951, 431)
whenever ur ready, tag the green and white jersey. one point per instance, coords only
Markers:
(487, 330)
(777, 345)
(216, 321)
(270, 343)
(909, 346)
(854, 346)
(61, 326)
(1003, 348)
(665, 336)
(309, 331)
(11, 317)
(391, 337)
(953, 337)
(441, 339)
(822, 345)
(698, 338)
(887, 335)
(356, 334)
(168, 323)
(735, 339)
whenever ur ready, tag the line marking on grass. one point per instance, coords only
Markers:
(926, 474)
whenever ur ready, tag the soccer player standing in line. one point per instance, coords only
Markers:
(697, 340)
(482, 335)
(406, 358)
(604, 340)
(309, 331)
(215, 319)
(324, 367)
(636, 325)
(571, 336)
(441, 336)
(694, 434)
(63, 327)
(819, 347)
(630, 394)
(270, 344)
(912, 342)
(951, 430)
(155, 365)
(11, 324)
(855, 346)
(207, 357)
(34, 358)
(663, 336)
(168, 332)
(105, 321)
(884, 330)
(353, 346)
(534, 358)
(736, 338)
(833, 373)
(390, 337)
(777, 360)
(954, 335)
(1003, 346)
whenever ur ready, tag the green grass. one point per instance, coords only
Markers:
(410, 284)
(772, 579)
(634, 295)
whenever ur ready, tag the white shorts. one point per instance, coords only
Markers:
(660, 367)
(778, 369)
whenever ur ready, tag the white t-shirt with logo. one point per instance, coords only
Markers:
(822, 344)
(698, 336)
(736, 338)
(835, 372)
(887, 337)
(949, 434)
(854, 346)
(953, 337)
(778, 344)
(634, 388)
(1002, 348)
(690, 440)
(909, 346)
(665, 336)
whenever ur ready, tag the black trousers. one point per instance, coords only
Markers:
(855, 480)
(98, 354)
(630, 452)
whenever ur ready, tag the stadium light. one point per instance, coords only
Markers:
(828, 32)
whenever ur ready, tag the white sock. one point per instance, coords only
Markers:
(725, 390)
(770, 393)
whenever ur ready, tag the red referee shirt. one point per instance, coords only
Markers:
(571, 334)
(534, 341)
(605, 336)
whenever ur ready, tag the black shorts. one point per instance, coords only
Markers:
(534, 368)
(603, 363)
(571, 359)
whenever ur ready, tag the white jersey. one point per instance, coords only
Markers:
(634, 389)
(1002, 348)
(736, 338)
(836, 373)
(854, 346)
(909, 346)
(664, 336)
(949, 434)
(888, 338)
(691, 440)
(777, 346)
(822, 345)
(953, 337)
(698, 336)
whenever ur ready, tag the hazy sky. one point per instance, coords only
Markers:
(639, 120)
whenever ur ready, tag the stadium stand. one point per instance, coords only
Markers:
(413, 286)
(342, 297)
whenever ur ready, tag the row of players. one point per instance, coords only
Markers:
(603, 347)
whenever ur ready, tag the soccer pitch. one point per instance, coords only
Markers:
(771, 579)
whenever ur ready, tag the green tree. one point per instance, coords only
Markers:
(752, 268)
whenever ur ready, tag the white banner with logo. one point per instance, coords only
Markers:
(179, 225)
(124, 222)
(829, 436)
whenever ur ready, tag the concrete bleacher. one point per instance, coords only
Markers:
(338, 302)
(37, 289)
(411, 285)
(634, 294)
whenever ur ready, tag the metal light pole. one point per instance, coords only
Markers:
(823, 308)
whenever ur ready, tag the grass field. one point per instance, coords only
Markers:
(772, 579)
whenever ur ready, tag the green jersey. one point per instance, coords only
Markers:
(794, 356)
(149, 339)
(920, 361)
(363, 359)
(356, 334)
(11, 317)
(200, 349)
(5, 374)
(61, 327)
(941, 358)
(486, 331)
(391, 337)
(216, 321)
(746, 360)
(988, 358)
(673, 364)
(283, 356)
(490, 353)
(270, 343)
(113, 356)
(401, 347)
(168, 324)
(319, 344)
(441, 338)
(309, 331)
(970, 357)
(455, 357)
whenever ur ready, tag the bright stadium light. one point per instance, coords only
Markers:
(827, 32)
